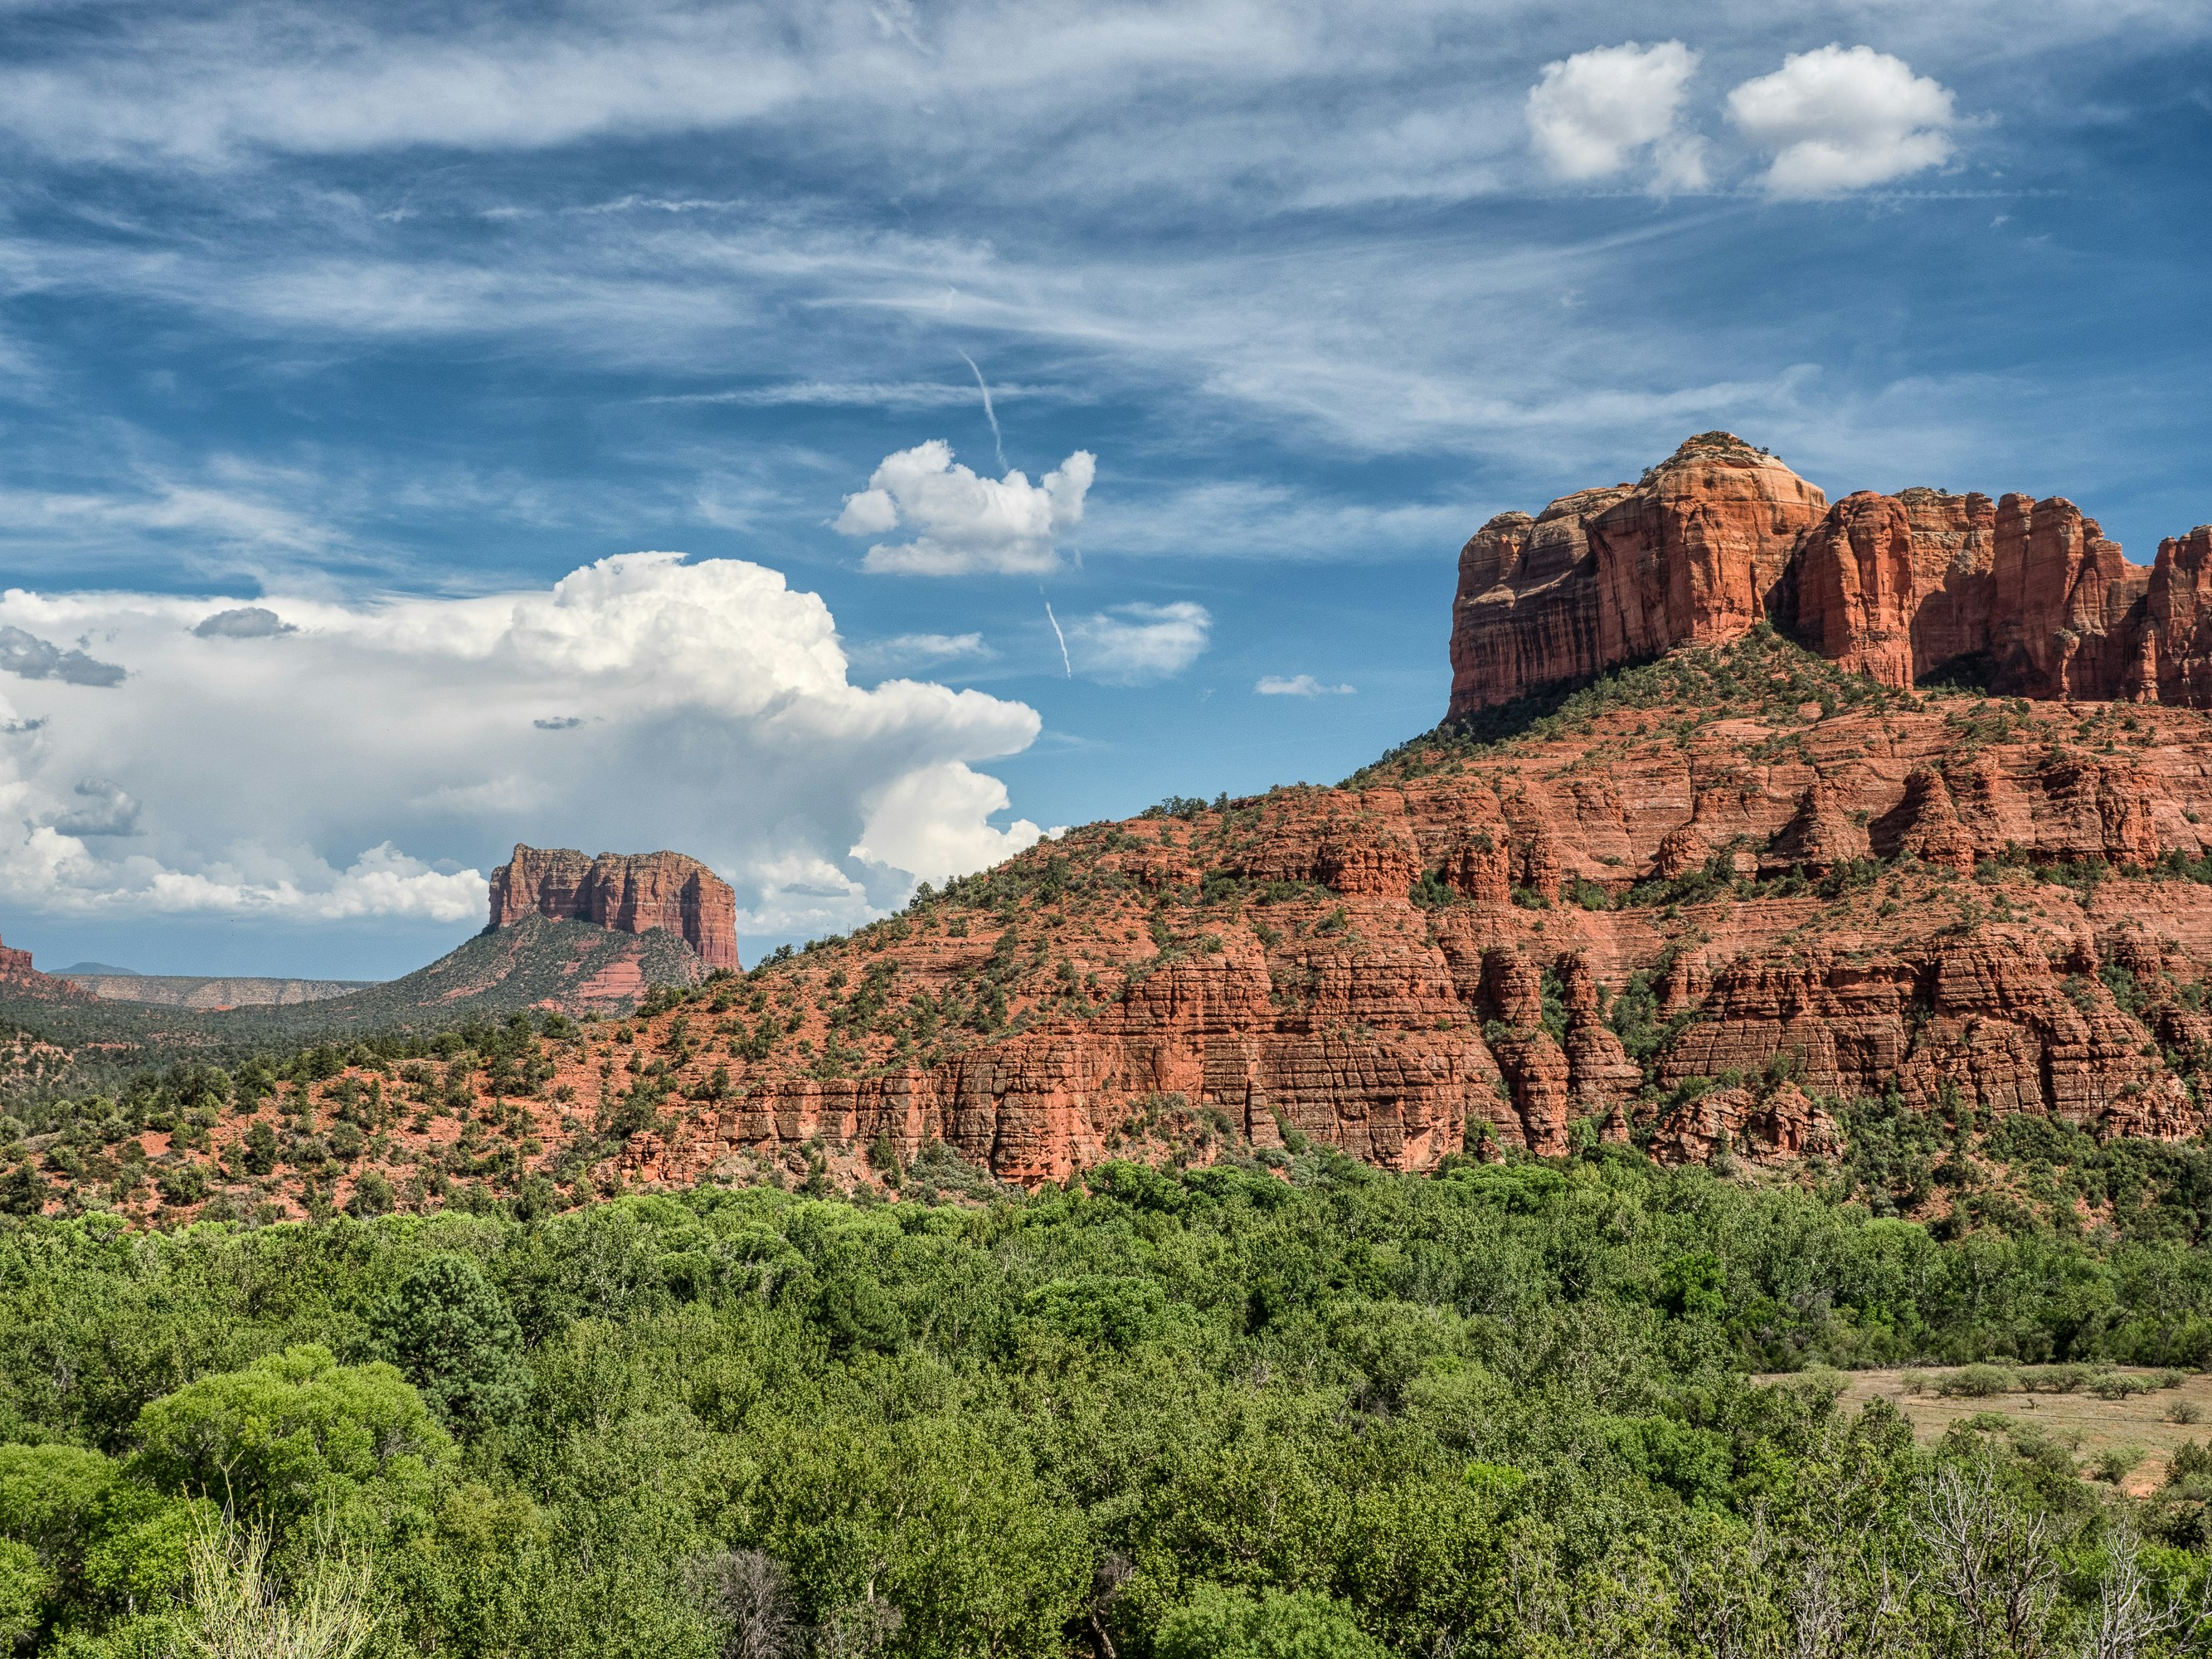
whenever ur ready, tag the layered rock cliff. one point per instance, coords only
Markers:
(2028, 597)
(1692, 554)
(1739, 869)
(631, 893)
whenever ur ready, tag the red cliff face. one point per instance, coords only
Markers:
(2027, 595)
(2178, 657)
(1440, 959)
(1692, 554)
(628, 892)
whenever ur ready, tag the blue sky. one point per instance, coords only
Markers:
(378, 323)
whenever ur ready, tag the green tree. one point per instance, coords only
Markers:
(260, 1155)
(1224, 1624)
(22, 1191)
(292, 1430)
(26, 1585)
(372, 1195)
(105, 1546)
(453, 1336)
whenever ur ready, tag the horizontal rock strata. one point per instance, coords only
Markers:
(631, 893)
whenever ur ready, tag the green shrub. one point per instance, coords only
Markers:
(1980, 1382)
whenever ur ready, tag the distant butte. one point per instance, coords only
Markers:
(631, 893)
(2025, 596)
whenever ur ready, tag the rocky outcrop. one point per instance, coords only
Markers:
(1691, 555)
(1703, 928)
(631, 893)
(2026, 596)
(20, 980)
(1338, 1008)
(2177, 657)
(1781, 1126)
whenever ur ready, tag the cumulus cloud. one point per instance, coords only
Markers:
(1298, 685)
(932, 823)
(962, 523)
(1129, 644)
(377, 765)
(246, 622)
(1838, 119)
(35, 659)
(1593, 115)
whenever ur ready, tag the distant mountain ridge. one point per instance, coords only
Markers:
(208, 991)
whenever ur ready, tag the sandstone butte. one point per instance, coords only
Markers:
(1696, 905)
(631, 893)
(2028, 597)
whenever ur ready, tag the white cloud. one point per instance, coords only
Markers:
(373, 762)
(1298, 685)
(1592, 114)
(932, 823)
(1840, 119)
(962, 523)
(915, 650)
(1132, 643)
(225, 517)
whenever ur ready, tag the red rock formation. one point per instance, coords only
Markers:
(2179, 656)
(1690, 555)
(1925, 824)
(22, 980)
(631, 893)
(1858, 590)
(2028, 593)
(1692, 926)
(1352, 967)
(1782, 1128)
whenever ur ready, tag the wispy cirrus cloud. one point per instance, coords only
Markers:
(1132, 644)
(920, 650)
(861, 394)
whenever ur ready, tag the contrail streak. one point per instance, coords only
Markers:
(1062, 637)
(989, 414)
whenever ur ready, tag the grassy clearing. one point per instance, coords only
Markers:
(2092, 1427)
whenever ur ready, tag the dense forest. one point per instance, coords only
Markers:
(1318, 1411)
